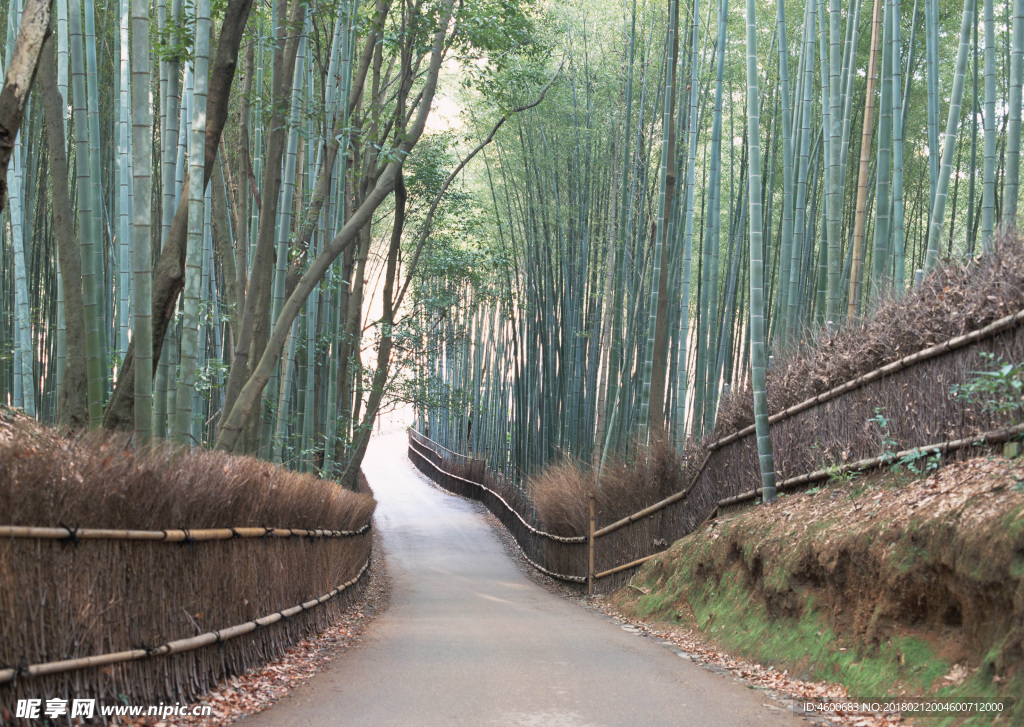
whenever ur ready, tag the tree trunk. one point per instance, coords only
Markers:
(72, 399)
(169, 275)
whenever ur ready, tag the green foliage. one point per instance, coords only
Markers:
(889, 444)
(997, 391)
(838, 476)
(919, 463)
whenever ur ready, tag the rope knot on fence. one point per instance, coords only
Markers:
(72, 537)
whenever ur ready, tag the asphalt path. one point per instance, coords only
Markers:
(469, 640)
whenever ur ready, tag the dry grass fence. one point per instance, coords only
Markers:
(229, 562)
(901, 369)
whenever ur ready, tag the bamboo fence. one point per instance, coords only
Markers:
(118, 614)
(837, 431)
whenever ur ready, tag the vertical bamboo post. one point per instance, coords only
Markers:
(590, 548)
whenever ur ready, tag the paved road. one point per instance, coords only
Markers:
(469, 640)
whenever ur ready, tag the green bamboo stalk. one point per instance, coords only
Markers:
(758, 357)
(124, 185)
(834, 199)
(1011, 180)
(949, 143)
(898, 244)
(196, 219)
(932, 67)
(988, 179)
(883, 168)
(95, 175)
(95, 352)
(142, 151)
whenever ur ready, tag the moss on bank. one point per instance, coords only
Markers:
(889, 585)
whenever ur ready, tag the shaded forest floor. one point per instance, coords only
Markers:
(890, 585)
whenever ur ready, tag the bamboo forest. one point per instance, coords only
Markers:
(555, 228)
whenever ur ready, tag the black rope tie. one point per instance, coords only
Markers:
(267, 532)
(21, 670)
(234, 533)
(150, 650)
(72, 536)
(189, 540)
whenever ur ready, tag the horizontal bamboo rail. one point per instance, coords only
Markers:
(906, 362)
(178, 646)
(627, 566)
(992, 437)
(545, 571)
(656, 507)
(182, 535)
(431, 443)
(535, 531)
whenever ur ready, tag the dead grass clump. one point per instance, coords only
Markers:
(102, 482)
(958, 297)
(561, 493)
(627, 485)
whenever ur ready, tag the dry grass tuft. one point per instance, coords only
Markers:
(102, 482)
(958, 297)
(561, 491)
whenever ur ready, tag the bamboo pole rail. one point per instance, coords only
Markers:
(181, 535)
(178, 646)
(906, 362)
(535, 531)
(992, 437)
(432, 444)
(656, 507)
(627, 566)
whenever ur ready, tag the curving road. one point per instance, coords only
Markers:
(469, 640)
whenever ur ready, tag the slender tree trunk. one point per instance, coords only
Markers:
(72, 406)
(853, 304)
(168, 276)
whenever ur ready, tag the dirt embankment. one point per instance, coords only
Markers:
(892, 585)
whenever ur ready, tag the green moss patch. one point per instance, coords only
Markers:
(914, 588)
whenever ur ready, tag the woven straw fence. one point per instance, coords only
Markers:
(143, 616)
(64, 601)
(915, 397)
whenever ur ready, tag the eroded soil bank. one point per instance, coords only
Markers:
(892, 585)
